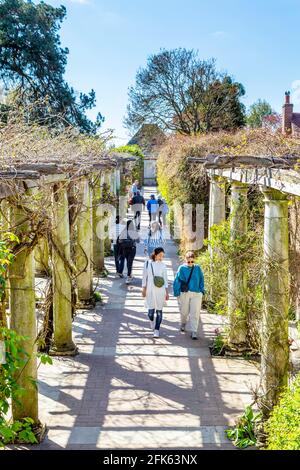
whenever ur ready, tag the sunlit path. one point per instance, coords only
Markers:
(127, 390)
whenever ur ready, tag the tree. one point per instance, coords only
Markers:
(179, 92)
(32, 63)
(257, 112)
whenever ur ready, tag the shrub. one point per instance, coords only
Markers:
(137, 172)
(283, 426)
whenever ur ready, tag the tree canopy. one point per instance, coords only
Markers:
(257, 112)
(180, 92)
(32, 63)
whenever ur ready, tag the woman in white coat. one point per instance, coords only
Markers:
(155, 288)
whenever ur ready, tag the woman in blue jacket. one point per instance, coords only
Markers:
(189, 287)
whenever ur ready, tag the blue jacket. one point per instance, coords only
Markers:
(196, 283)
(152, 206)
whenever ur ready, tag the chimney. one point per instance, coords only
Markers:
(287, 114)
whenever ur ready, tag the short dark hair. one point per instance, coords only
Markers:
(156, 252)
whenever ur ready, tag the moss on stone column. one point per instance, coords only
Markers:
(107, 241)
(4, 296)
(62, 292)
(98, 241)
(23, 319)
(84, 244)
(275, 349)
(237, 277)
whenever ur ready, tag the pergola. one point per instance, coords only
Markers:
(277, 178)
(67, 194)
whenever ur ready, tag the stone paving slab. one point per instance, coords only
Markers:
(126, 390)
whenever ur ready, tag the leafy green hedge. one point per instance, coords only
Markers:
(138, 169)
(283, 426)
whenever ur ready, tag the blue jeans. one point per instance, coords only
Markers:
(158, 317)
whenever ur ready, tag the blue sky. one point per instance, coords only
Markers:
(255, 41)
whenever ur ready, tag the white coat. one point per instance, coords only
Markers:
(155, 296)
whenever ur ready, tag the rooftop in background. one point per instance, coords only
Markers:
(150, 138)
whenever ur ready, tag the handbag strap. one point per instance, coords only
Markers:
(190, 275)
(152, 270)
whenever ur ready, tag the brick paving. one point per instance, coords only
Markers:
(126, 390)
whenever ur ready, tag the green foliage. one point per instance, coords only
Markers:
(33, 63)
(133, 149)
(243, 434)
(97, 297)
(219, 344)
(137, 172)
(257, 112)
(17, 432)
(6, 257)
(283, 426)
(245, 249)
(16, 359)
(45, 358)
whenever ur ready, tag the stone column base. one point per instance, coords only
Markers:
(70, 350)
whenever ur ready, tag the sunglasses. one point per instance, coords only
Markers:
(190, 261)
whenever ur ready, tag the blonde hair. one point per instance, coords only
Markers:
(190, 254)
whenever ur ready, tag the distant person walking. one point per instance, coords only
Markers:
(119, 260)
(137, 204)
(127, 249)
(155, 288)
(152, 207)
(135, 188)
(154, 238)
(189, 287)
(163, 212)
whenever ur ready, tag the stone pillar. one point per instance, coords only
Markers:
(84, 244)
(294, 254)
(23, 319)
(118, 179)
(98, 241)
(4, 295)
(216, 203)
(62, 292)
(107, 242)
(237, 279)
(216, 216)
(275, 349)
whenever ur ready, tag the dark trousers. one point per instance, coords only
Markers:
(152, 216)
(119, 259)
(129, 255)
(160, 218)
(159, 316)
(137, 219)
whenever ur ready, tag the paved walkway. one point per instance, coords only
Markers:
(128, 391)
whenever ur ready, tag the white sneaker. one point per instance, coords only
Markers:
(128, 279)
(152, 324)
(156, 334)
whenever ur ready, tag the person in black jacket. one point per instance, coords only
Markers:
(137, 204)
(127, 249)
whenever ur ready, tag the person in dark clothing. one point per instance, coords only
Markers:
(119, 259)
(127, 249)
(152, 207)
(138, 204)
(160, 204)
